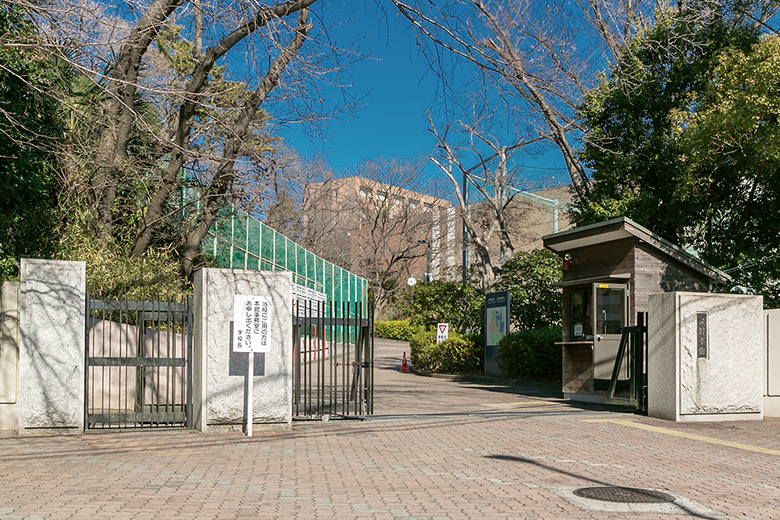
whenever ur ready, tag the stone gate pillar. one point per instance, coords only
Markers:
(52, 324)
(219, 374)
(705, 357)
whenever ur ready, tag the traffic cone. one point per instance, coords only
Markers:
(404, 366)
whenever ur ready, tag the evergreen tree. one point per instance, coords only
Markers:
(29, 131)
(679, 138)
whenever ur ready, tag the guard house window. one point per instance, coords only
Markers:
(611, 317)
(365, 192)
(580, 315)
(381, 196)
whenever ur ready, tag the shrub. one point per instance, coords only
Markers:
(460, 354)
(401, 330)
(431, 303)
(536, 302)
(531, 355)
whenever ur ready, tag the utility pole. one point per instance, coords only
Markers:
(464, 213)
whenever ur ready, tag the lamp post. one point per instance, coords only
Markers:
(427, 277)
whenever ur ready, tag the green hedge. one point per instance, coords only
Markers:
(431, 303)
(531, 355)
(460, 354)
(401, 330)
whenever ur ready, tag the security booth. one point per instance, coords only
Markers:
(609, 271)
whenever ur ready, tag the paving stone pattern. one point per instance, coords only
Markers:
(436, 448)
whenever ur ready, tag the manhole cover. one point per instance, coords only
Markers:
(624, 495)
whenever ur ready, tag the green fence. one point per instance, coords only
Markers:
(239, 241)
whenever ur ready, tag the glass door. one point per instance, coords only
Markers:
(611, 312)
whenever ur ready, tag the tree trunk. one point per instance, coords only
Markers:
(216, 194)
(155, 209)
(118, 115)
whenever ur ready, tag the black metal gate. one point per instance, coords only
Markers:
(633, 353)
(333, 360)
(138, 364)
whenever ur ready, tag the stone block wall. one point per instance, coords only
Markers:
(705, 357)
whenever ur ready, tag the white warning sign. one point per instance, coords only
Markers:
(442, 332)
(251, 323)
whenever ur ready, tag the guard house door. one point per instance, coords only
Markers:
(610, 316)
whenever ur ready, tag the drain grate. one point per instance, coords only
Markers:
(624, 495)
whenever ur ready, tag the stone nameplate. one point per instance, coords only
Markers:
(701, 334)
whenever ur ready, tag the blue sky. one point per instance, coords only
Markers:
(399, 94)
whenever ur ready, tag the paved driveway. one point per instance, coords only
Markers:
(435, 449)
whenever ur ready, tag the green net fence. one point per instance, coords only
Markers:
(239, 241)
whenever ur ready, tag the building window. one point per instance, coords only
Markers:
(580, 315)
(398, 201)
(381, 196)
(427, 207)
(414, 203)
(365, 192)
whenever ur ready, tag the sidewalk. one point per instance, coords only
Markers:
(435, 449)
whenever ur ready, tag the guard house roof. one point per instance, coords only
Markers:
(621, 228)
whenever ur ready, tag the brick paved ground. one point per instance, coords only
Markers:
(436, 449)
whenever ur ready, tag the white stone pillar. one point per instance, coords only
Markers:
(219, 374)
(9, 356)
(705, 357)
(52, 346)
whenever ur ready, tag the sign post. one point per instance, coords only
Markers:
(251, 328)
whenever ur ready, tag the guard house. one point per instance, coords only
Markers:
(609, 269)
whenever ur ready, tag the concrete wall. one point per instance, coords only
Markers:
(220, 375)
(51, 356)
(9, 356)
(727, 383)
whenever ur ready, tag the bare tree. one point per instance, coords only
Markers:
(297, 200)
(530, 55)
(487, 223)
(168, 76)
(536, 60)
(532, 72)
(372, 220)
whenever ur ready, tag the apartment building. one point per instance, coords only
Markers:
(385, 225)
(375, 223)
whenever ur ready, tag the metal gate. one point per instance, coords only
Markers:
(333, 361)
(138, 364)
(631, 359)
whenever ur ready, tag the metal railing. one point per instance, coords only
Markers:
(138, 364)
(333, 360)
(633, 352)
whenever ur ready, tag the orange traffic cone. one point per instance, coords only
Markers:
(404, 366)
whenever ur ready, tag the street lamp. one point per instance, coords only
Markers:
(427, 277)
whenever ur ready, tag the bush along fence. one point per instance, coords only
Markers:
(528, 355)
(401, 330)
(460, 354)
(531, 355)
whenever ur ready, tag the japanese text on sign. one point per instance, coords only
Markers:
(442, 332)
(701, 335)
(251, 323)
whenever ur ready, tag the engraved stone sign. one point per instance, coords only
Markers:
(701, 335)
